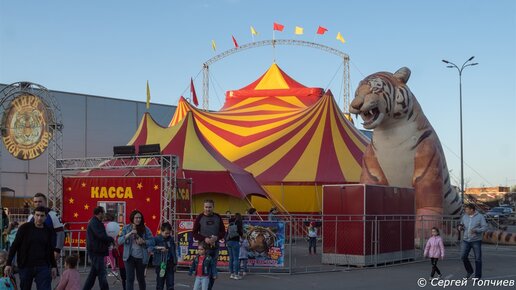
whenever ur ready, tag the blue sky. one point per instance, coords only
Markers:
(111, 48)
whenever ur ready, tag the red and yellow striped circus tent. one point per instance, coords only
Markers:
(212, 175)
(292, 138)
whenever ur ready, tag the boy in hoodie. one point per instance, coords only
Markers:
(165, 257)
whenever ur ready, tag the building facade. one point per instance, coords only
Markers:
(92, 125)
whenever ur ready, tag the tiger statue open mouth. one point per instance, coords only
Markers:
(372, 117)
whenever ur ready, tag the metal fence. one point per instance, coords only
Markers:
(343, 241)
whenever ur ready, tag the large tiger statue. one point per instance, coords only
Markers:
(405, 150)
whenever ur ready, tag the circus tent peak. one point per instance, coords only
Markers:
(275, 86)
(183, 107)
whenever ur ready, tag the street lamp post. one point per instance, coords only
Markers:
(464, 65)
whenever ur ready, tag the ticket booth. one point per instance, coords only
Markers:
(367, 224)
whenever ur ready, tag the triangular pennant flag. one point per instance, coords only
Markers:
(147, 105)
(298, 30)
(339, 37)
(253, 31)
(213, 45)
(234, 41)
(192, 92)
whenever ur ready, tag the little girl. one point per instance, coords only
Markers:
(70, 279)
(5, 282)
(435, 250)
(312, 238)
(203, 266)
(243, 255)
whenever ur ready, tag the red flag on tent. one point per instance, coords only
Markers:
(278, 26)
(234, 41)
(321, 30)
(194, 95)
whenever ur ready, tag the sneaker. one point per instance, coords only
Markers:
(232, 276)
(468, 275)
(237, 277)
(439, 276)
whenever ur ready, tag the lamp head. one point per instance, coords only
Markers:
(445, 61)
(471, 58)
(449, 66)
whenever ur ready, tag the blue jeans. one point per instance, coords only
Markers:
(477, 250)
(234, 251)
(98, 269)
(169, 278)
(312, 243)
(243, 265)
(215, 254)
(133, 265)
(41, 274)
(201, 283)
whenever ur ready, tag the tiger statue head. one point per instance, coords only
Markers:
(383, 98)
(260, 240)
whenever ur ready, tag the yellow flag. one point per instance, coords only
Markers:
(148, 96)
(299, 30)
(253, 32)
(213, 45)
(339, 37)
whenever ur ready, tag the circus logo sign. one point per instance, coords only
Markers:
(24, 127)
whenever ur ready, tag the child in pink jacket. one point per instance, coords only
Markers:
(435, 250)
(70, 279)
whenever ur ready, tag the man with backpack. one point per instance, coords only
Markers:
(209, 227)
(235, 232)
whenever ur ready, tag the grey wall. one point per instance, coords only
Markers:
(92, 126)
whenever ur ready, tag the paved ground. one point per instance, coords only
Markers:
(499, 264)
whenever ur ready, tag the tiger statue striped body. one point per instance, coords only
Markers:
(405, 150)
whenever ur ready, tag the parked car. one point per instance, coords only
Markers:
(500, 212)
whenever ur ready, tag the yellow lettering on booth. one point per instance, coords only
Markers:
(128, 193)
(111, 192)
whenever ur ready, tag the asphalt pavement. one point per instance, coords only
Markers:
(498, 267)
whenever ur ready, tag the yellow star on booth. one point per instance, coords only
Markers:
(156, 187)
(76, 215)
(71, 200)
(140, 185)
(69, 189)
(83, 184)
(86, 206)
(82, 228)
(153, 217)
(148, 199)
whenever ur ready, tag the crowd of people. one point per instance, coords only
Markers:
(35, 248)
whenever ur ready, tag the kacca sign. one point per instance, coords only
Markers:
(119, 196)
(25, 127)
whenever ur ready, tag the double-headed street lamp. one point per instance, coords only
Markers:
(464, 65)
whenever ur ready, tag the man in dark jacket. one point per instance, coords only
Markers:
(34, 246)
(97, 245)
(209, 228)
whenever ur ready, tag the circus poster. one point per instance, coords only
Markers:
(266, 244)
